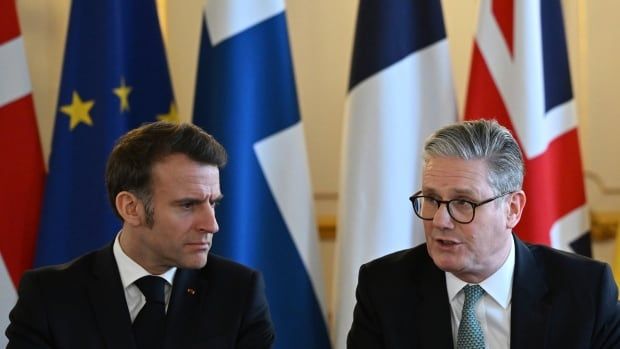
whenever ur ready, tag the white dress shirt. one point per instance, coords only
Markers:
(131, 271)
(493, 310)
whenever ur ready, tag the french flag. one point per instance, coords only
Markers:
(400, 90)
(520, 76)
(246, 98)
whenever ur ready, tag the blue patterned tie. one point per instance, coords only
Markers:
(470, 334)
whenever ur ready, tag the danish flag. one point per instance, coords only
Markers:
(520, 76)
(21, 172)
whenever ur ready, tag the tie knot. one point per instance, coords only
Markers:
(473, 293)
(152, 288)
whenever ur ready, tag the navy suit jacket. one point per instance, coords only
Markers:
(559, 300)
(82, 305)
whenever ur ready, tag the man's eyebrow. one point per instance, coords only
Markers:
(426, 190)
(194, 200)
(468, 192)
(458, 191)
(187, 200)
(429, 189)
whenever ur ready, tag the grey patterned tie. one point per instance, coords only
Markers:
(470, 334)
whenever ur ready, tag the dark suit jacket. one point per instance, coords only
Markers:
(559, 300)
(82, 305)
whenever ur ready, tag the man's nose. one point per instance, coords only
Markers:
(207, 221)
(442, 218)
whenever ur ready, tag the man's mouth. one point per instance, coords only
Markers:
(447, 243)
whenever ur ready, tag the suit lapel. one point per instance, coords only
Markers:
(530, 306)
(433, 321)
(107, 297)
(186, 311)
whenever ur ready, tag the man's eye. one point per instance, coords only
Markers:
(187, 205)
(461, 203)
(430, 200)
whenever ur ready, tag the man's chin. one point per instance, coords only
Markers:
(196, 262)
(447, 263)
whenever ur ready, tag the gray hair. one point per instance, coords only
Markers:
(481, 140)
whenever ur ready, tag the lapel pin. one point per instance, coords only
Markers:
(191, 291)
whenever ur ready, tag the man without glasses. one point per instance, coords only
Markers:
(152, 287)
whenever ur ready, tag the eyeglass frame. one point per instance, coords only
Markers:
(474, 205)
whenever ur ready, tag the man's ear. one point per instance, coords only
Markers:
(516, 203)
(130, 208)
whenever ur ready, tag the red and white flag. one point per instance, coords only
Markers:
(520, 76)
(22, 170)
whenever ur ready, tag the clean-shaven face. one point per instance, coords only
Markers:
(185, 193)
(471, 251)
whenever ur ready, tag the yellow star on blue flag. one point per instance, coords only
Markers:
(122, 92)
(171, 116)
(114, 78)
(78, 111)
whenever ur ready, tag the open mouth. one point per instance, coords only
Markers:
(447, 243)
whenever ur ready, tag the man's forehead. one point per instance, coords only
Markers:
(183, 171)
(450, 164)
(455, 176)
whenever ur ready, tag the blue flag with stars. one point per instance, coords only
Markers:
(115, 77)
(245, 97)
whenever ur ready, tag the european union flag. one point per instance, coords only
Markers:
(245, 97)
(115, 77)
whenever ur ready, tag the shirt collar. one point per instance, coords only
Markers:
(498, 285)
(130, 271)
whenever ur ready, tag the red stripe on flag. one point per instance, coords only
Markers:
(483, 98)
(503, 11)
(554, 182)
(554, 179)
(21, 185)
(9, 26)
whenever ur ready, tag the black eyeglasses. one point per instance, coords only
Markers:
(462, 211)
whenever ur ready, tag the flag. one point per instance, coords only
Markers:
(520, 76)
(246, 97)
(22, 172)
(400, 90)
(114, 78)
(615, 264)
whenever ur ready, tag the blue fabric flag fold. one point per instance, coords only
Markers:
(115, 77)
(246, 97)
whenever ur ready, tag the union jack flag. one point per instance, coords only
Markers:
(520, 76)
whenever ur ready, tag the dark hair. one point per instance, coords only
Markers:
(481, 140)
(130, 164)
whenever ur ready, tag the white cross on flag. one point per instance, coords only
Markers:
(520, 76)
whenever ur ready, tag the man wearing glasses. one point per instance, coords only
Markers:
(474, 284)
